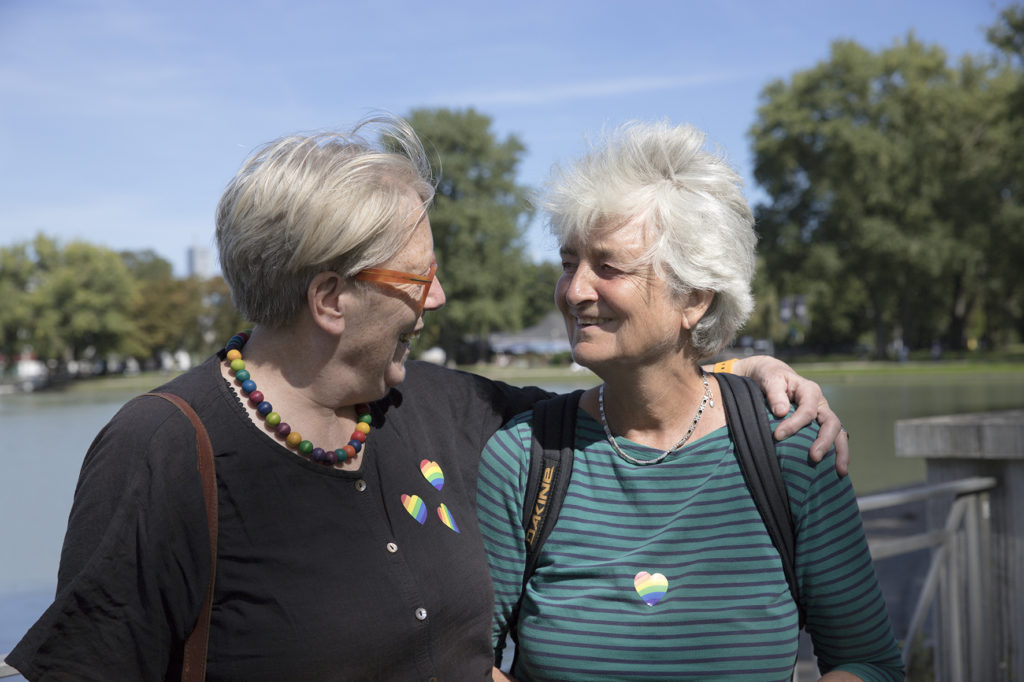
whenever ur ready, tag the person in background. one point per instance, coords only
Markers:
(348, 542)
(659, 565)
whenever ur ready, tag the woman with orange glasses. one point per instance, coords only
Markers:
(347, 543)
(395, 277)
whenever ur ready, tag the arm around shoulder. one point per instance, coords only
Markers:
(782, 386)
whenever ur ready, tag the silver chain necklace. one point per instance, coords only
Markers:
(705, 401)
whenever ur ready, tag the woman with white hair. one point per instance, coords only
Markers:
(659, 565)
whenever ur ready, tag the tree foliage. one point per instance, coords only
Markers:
(75, 302)
(165, 308)
(895, 183)
(1004, 309)
(82, 301)
(539, 291)
(1007, 34)
(478, 219)
(18, 278)
(892, 193)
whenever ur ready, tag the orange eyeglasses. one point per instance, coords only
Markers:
(397, 277)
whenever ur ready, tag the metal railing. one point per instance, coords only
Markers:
(956, 575)
(956, 578)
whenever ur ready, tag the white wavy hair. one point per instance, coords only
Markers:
(691, 204)
(309, 203)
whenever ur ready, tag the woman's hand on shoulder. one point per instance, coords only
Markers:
(783, 386)
(499, 676)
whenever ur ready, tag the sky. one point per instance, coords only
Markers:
(121, 121)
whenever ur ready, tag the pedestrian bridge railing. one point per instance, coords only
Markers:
(956, 585)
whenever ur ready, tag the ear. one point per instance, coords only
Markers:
(697, 303)
(325, 297)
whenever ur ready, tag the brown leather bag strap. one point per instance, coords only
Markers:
(194, 662)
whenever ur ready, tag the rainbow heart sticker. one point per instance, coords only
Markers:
(446, 517)
(651, 588)
(432, 472)
(414, 505)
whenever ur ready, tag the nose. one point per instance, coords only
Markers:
(435, 297)
(578, 287)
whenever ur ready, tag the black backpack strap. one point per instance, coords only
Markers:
(551, 456)
(755, 452)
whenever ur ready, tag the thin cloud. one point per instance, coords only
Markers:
(587, 90)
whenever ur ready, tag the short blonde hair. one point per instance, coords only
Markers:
(309, 203)
(690, 202)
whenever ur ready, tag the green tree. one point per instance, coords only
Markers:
(83, 303)
(539, 291)
(478, 219)
(765, 321)
(1007, 34)
(18, 276)
(147, 265)
(191, 314)
(218, 319)
(1004, 304)
(885, 183)
(166, 310)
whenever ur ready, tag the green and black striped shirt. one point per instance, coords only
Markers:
(667, 572)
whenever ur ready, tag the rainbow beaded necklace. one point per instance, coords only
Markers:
(293, 439)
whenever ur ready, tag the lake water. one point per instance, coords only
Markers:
(46, 435)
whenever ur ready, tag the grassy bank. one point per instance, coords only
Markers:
(141, 382)
(825, 373)
(851, 372)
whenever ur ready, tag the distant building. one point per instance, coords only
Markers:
(547, 337)
(200, 262)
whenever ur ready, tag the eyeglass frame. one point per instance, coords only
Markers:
(399, 277)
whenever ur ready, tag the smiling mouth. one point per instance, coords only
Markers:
(591, 321)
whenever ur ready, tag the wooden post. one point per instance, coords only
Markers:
(984, 444)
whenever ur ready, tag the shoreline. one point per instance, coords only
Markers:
(523, 373)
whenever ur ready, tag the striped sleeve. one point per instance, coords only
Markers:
(846, 613)
(500, 496)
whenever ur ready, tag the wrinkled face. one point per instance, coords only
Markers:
(392, 311)
(618, 313)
